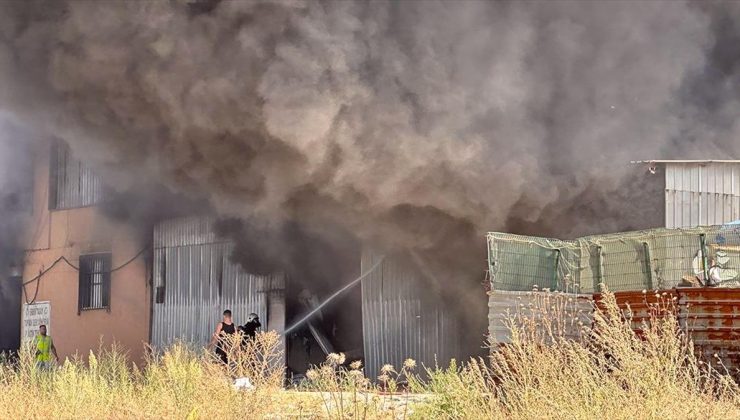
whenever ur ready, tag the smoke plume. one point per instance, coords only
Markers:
(412, 125)
(16, 194)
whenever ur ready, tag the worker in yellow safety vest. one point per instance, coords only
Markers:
(45, 349)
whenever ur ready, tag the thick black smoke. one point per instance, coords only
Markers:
(413, 125)
(16, 195)
(16, 198)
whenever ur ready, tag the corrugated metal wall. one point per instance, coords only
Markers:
(709, 316)
(712, 319)
(72, 183)
(402, 319)
(194, 281)
(564, 311)
(701, 194)
(642, 307)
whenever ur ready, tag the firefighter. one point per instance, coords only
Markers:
(249, 330)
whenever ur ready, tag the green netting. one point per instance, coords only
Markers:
(650, 259)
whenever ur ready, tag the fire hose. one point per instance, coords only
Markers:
(330, 298)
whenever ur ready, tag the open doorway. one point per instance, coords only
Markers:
(336, 327)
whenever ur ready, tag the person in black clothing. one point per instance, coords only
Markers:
(223, 329)
(249, 330)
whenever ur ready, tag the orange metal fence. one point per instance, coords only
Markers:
(710, 317)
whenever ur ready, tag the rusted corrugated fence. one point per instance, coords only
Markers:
(709, 316)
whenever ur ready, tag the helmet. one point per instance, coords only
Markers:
(252, 317)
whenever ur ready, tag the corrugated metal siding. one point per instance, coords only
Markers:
(200, 282)
(402, 319)
(712, 319)
(572, 312)
(701, 194)
(73, 183)
(710, 316)
(184, 231)
(640, 307)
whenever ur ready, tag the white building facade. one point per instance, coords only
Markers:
(700, 192)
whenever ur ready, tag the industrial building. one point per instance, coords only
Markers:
(699, 192)
(95, 280)
(84, 274)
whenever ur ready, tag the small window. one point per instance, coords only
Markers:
(71, 183)
(94, 282)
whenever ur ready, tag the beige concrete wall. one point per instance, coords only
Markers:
(76, 232)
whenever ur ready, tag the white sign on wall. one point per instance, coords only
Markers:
(35, 314)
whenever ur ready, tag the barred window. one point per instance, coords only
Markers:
(71, 182)
(94, 282)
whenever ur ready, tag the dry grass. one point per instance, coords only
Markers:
(179, 383)
(608, 372)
